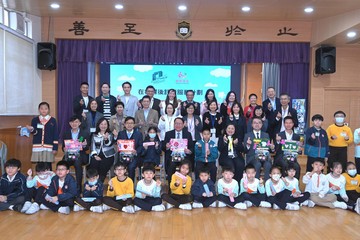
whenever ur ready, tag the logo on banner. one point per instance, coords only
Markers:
(183, 30)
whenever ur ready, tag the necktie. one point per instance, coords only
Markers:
(257, 135)
(129, 135)
(178, 135)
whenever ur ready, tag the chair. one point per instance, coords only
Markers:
(3, 156)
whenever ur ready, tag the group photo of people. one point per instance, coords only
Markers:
(150, 154)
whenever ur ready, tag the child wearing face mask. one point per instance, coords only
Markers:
(277, 194)
(340, 137)
(152, 147)
(352, 185)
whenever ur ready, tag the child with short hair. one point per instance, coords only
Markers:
(60, 195)
(152, 147)
(228, 190)
(277, 194)
(36, 186)
(252, 190)
(206, 153)
(12, 187)
(180, 186)
(352, 185)
(317, 185)
(292, 184)
(92, 193)
(120, 193)
(203, 190)
(147, 196)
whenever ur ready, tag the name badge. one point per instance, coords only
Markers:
(213, 130)
(317, 134)
(354, 182)
(39, 125)
(92, 130)
(85, 111)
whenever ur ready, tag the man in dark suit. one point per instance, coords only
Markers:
(81, 102)
(277, 122)
(154, 102)
(270, 105)
(190, 99)
(127, 134)
(75, 133)
(287, 134)
(250, 149)
(179, 133)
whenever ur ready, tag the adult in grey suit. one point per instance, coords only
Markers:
(130, 101)
(146, 117)
(90, 118)
(250, 150)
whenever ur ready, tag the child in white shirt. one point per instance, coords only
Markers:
(337, 186)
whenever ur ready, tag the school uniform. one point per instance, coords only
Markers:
(97, 194)
(152, 153)
(179, 194)
(293, 186)
(352, 186)
(340, 192)
(315, 148)
(209, 161)
(123, 189)
(252, 192)
(224, 196)
(198, 189)
(36, 187)
(14, 189)
(278, 194)
(152, 192)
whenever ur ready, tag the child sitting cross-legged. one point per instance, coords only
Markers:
(352, 185)
(203, 190)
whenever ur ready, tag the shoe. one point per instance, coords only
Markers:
(128, 209)
(275, 207)
(304, 203)
(158, 208)
(221, 204)
(197, 205)
(34, 208)
(311, 204)
(296, 203)
(186, 206)
(292, 207)
(341, 205)
(64, 210)
(248, 204)
(105, 207)
(213, 204)
(17, 207)
(357, 206)
(78, 208)
(97, 209)
(136, 208)
(265, 204)
(169, 206)
(241, 206)
(43, 207)
(26, 206)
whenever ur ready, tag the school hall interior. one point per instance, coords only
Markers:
(89, 32)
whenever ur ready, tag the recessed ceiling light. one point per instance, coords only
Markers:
(245, 9)
(55, 5)
(308, 10)
(351, 34)
(119, 6)
(182, 7)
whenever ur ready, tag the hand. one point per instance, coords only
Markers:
(232, 195)
(177, 182)
(133, 152)
(97, 158)
(187, 151)
(30, 128)
(29, 172)
(138, 104)
(284, 180)
(225, 139)
(346, 138)
(196, 122)
(313, 136)
(278, 138)
(185, 124)
(326, 159)
(83, 115)
(289, 114)
(168, 146)
(84, 143)
(158, 183)
(156, 144)
(248, 142)
(103, 99)
(162, 118)
(207, 152)
(236, 141)
(143, 195)
(272, 146)
(296, 194)
(54, 152)
(3, 198)
(93, 188)
(146, 147)
(249, 110)
(334, 188)
(211, 194)
(261, 181)
(115, 133)
(225, 190)
(220, 120)
(207, 120)
(141, 123)
(118, 98)
(269, 106)
(204, 195)
(278, 115)
(334, 137)
(87, 187)
(81, 102)
(54, 199)
(110, 183)
(106, 136)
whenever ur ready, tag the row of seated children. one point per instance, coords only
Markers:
(59, 194)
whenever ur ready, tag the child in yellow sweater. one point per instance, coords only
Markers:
(120, 192)
(352, 185)
(180, 187)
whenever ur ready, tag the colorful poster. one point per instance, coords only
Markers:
(289, 146)
(178, 145)
(300, 107)
(126, 146)
(72, 145)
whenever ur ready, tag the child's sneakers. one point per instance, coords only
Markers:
(105, 207)
(78, 208)
(213, 205)
(64, 210)
(311, 204)
(43, 207)
(357, 206)
(305, 203)
(136, 208)
(248, 204)
(128, 209)
(197, 205)
(221, 204)
(275, 207)
(158, 208)
(97, 209)
(26, 206)
(292, 207)
(34, 208)
(341, 205)
(169, 206)
(265, 204)
(186, 206)
(241, 206)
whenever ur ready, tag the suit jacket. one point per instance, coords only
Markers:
(152, 117)
(171, 134)
(217, 126)
(131, 106)
(276, 124)
(278, 145)
(250, 152)
(223, 149)
(138, 140)
(240, 126)
(198, 128)
(78, 109)
(100, 103)
(268, 113)
(89, 123)
(156, 106)
(183, 110)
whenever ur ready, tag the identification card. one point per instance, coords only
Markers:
(213, 131)
(92, 130)
(317, 134)
(39, 125)
(85, 111)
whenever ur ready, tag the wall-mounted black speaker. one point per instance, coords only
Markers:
(325, 60)
(46, 53)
